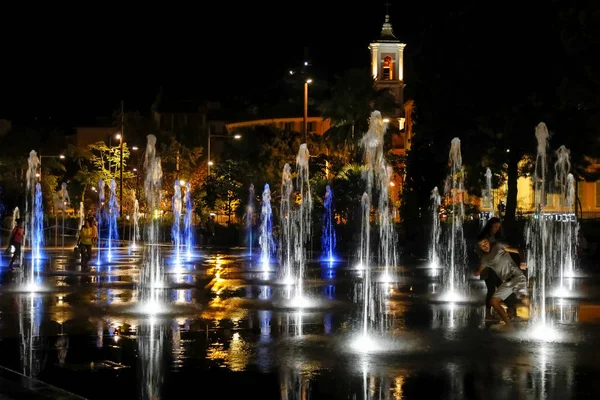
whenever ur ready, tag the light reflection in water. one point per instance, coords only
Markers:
(30, 317)
(150, 340)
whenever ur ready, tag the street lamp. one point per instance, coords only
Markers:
(237, 136)
(306, 108)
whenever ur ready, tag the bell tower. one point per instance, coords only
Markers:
(387, 66)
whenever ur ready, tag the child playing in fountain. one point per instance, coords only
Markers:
(495, 256)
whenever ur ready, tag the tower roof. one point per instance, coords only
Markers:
(387, 32)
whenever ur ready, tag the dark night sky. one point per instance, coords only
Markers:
(77, 67)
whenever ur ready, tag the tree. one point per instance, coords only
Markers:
(351, 100)
(222, 189)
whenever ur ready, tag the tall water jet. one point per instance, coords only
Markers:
(567, 228)
(81, 215)
(113, 214)
(152, 270)
(176, 228)
(15, 216)
(33, 207)
(487, 203)
(434, 248)
(286, 221)
(100, 216)
(302, 217)
(267, 246)
(538, 233)
(188, 229)
(328, 239)
(65, 200)
(456, 254)
(378, 176)
(249, 218)
(136, 222)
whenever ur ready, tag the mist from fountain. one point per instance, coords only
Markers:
(152, 273)
(455, 259)
(65, 200)
(302, 218)
(188, 228)
(100, 217)
(286, 222)
(434, 248)
(267, 246)
(113, 214)
(539, 253)
(328, 239)
(15, 216)
(377, 175)
(34, 208)
(249, 219)
(136, 222)
(565, 239)
(487, 201)
(176, 228)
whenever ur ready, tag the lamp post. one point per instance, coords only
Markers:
(306, 109)
(210, 136)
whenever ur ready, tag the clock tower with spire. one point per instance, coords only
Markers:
(387, 66)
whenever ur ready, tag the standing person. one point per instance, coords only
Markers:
(495, 256)
(16, 240)
(86, 236)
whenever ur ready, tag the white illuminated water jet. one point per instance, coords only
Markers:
(113, 214)
(136, 221)
(487, 199)
(551, 236)
(152, 272)
(377, 174)
(250, 218)
(286, 222)
(99, 217)
(434, 248)
(188, 229)
(456, 249)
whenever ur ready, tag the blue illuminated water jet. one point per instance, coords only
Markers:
(99, 217)
(266, 227)
(176, 228)
(36, 216)
(249, 219)
(328, 237)
(113, 214)
(188, 230)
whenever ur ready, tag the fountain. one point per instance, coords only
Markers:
(81, 215)
(15, 216)
(286, 218)
(99, 216)
(249, 218)
(36, 216)
(487, 202)
(456, 252)
(188, 229)
(113, 214)
(152, 273)
(136, 222)
(551, 236)
(434, 250)
(328, 236)
(302, 218)
(377, 174)
(65, 200)
(265, 240)
(176, 228)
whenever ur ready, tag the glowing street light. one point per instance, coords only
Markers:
(134, 148)
(386, 120)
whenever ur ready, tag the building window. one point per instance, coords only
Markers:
(311, 127)
(289, 126)
(598, 194)
(388, 69)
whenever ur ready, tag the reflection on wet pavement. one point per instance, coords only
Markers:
(229, 325)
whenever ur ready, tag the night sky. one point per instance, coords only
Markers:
(78, 67)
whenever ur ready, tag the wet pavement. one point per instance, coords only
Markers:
(230, 332)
